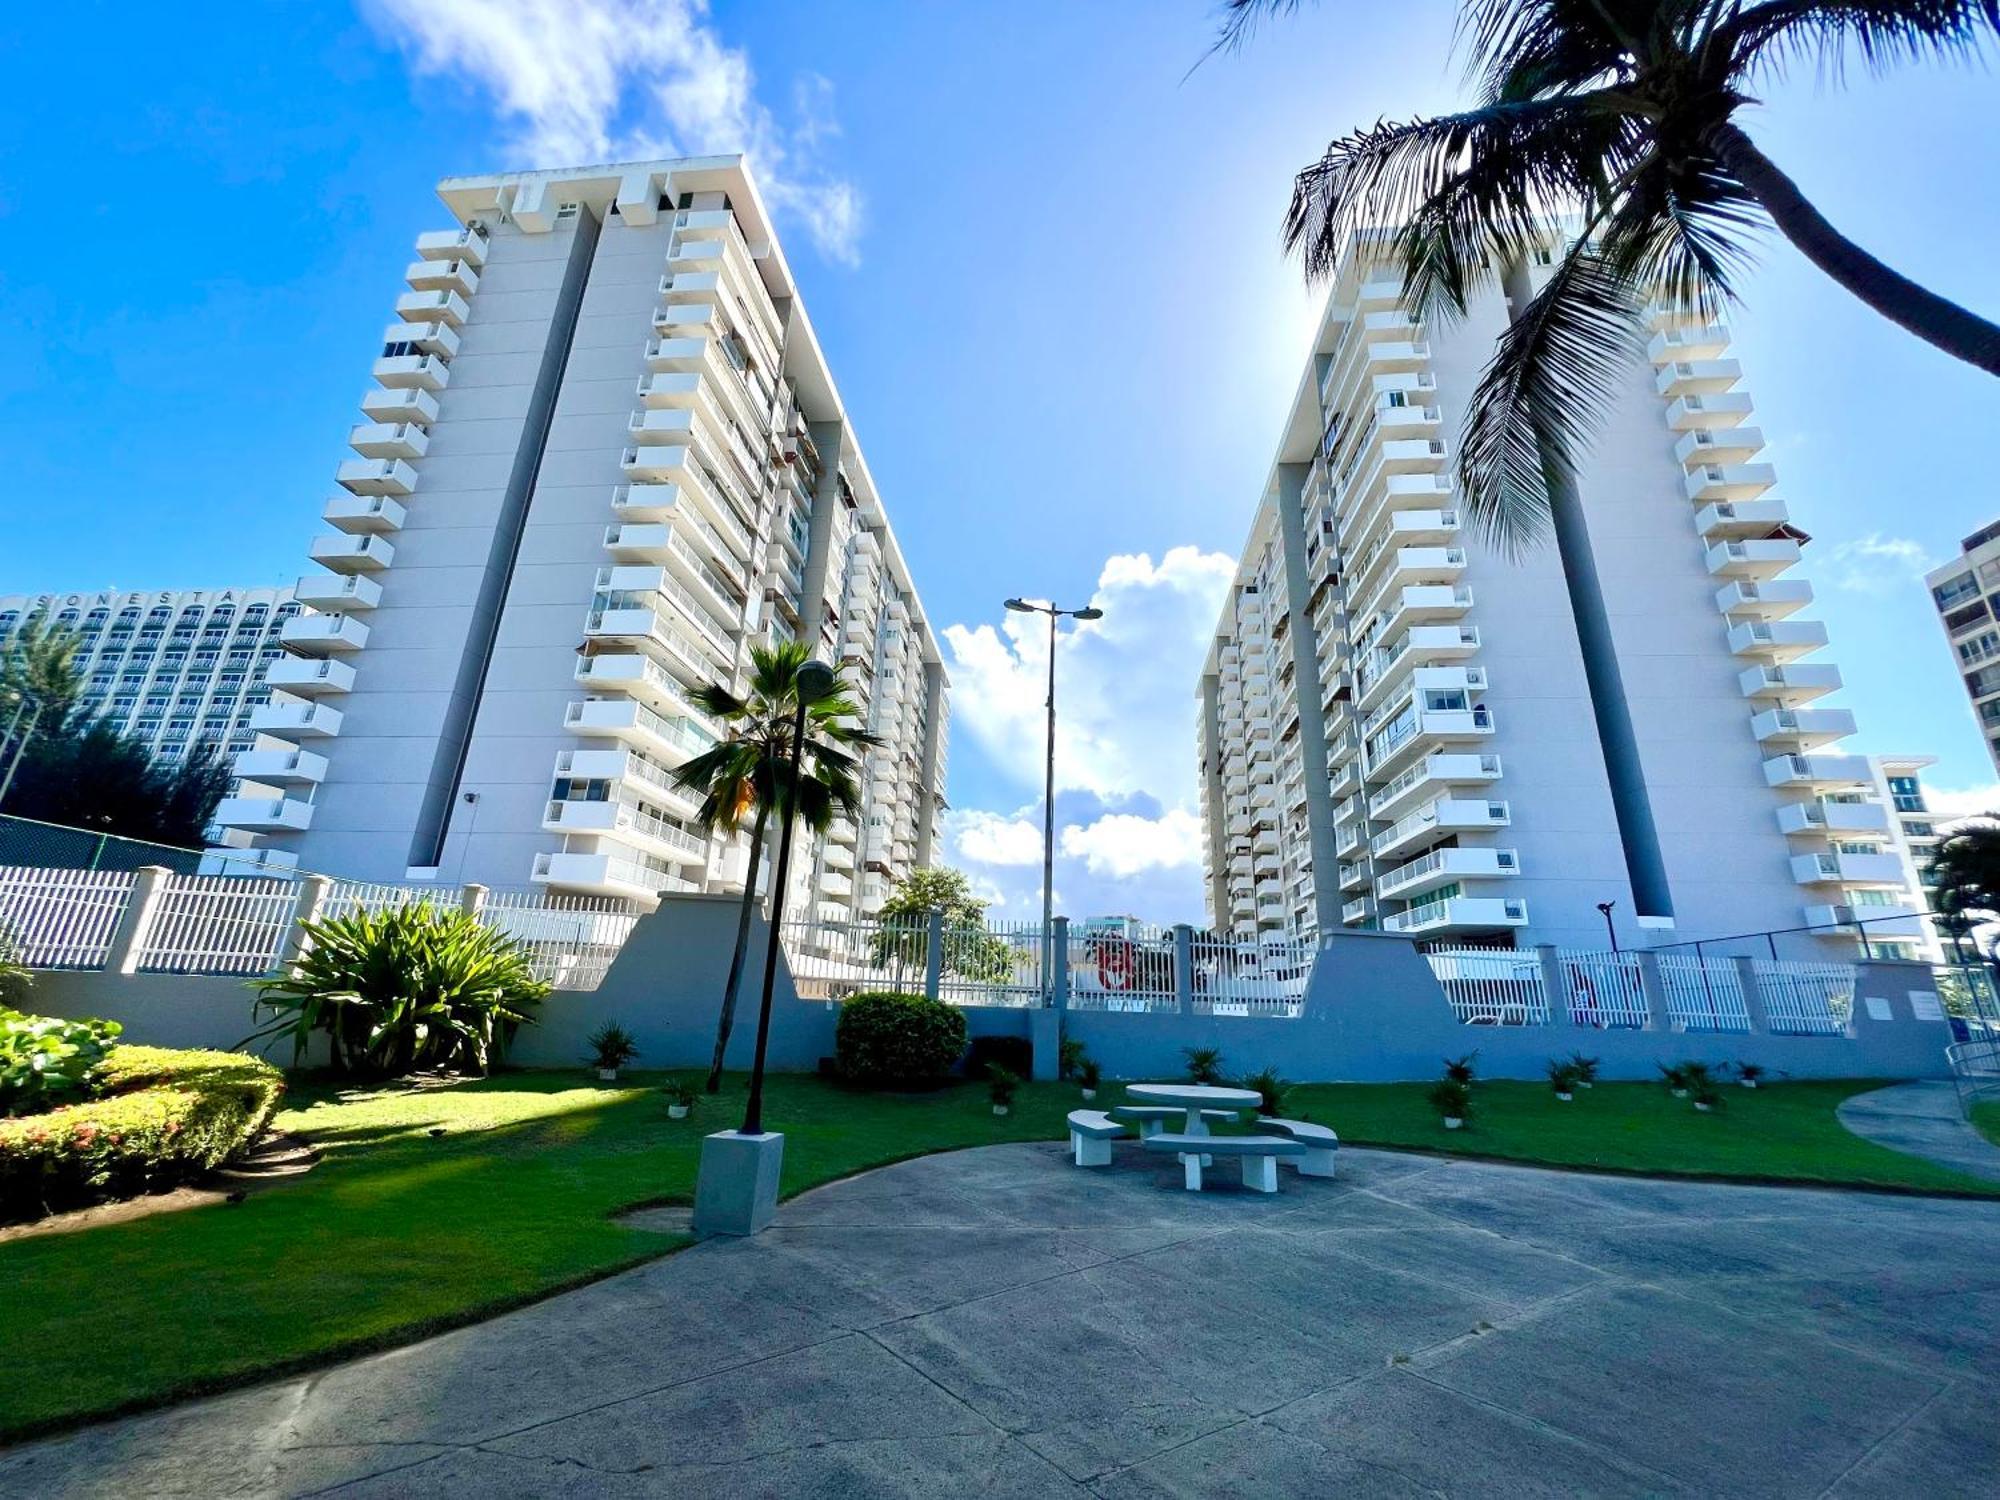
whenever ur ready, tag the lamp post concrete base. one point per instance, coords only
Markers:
(736, 1191)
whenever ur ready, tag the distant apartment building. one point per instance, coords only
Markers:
(174, 668)
(1898, 921)
(1966, 592)
(1393, 729)
(602, 457)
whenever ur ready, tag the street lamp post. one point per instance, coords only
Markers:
(1088, 612)
(1604, 908)
(736, 1189)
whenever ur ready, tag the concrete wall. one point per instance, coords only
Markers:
(1373, 1013)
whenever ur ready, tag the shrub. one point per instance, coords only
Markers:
(1089, 1073)
(1586, 1068)
(1204, 1064)
(1563, 1076)
(165, 1117)
(1069, 1056)
(1271, 1090)
(14, 975)
(1750, 1072)
(1673, 1075)
(1014, 1053)
(413, 987)
(46, 1061)
(888, 1040)
(611, 1047)
(1451, 1098)
(1000, 1085)
(1459, 1069)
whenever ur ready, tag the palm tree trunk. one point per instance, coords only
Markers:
(1935, 319)
(736, 959)
(1645, 869)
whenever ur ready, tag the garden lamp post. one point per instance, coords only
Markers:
(1604, 909)
(1088, 612)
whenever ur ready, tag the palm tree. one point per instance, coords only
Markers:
(39, 686)
(1965, 876)
(1624, 113)
(745, 775)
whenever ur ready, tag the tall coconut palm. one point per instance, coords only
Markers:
(746, 776)
(1623, 114)
(1965, 875)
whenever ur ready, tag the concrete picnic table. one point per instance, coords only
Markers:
(1194, 1098)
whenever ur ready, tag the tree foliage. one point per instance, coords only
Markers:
(88, 775)
(971, 952)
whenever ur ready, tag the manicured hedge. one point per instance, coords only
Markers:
(898, 1041)
(165, 1116)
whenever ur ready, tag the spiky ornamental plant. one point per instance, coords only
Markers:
(745, 775)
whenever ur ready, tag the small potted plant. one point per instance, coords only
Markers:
(680, 1099)
(1697, 1076)
(1459, 1069)
(1676, 1078)
(1000, 1086)
(1271, 1090)
(1586, 1070)
(1452, 1099)
(1562, 1078)
(1707, 1096)
(611, 1047)
(1069, 1057)
(1204, 1064)
(1748, 1074)
(1088, 1074)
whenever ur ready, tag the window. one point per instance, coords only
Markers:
(1955, 591)
(1974, 612)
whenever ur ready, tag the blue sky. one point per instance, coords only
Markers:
(1045, 268)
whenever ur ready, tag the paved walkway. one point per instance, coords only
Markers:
(1924, 1120)
(998, 1323)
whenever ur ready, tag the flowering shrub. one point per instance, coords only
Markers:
(165, 1116)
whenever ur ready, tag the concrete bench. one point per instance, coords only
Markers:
(1259, 1154)
(1091, 1132)
(1319, 1141)
(1154, 1118)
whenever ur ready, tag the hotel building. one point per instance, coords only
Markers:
(1966, 592)
(601, 457)
(1394, 730)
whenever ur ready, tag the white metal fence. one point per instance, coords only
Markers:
(1805, 999)
(833, 960)
(1492, 986)
(1605, 989)
(1127, 967)
(207, 924)
(61, 919)
(1703, 994)
(1001, 963)
(1267, 977)
(571, 940)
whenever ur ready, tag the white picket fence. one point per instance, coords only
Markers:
(218, 924)
(1129, 967)
(1265, 978)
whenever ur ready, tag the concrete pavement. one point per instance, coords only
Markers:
(999, 1323)
(1922, 1119)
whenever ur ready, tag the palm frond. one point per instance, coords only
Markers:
(1770, 37)
(1686, 232)
(1543, 395)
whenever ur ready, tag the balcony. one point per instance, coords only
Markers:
(605, 875)
(1818, 773)
(712, 523)
(1880, 871)
(670, 424)
(1719, 445)
(412, 372)
(670, 740)
(1694, 413)
(1833, 818)
(313, 720)
(622, 820)
(388, 440)
(1883, 922)
(1729, 481)
(1777, 641)
(332, 593)
(355, 553)
(314, 635)
(264, 814)
(1674, 344)
(376, 476)
(433, 307)
(1430, 775)
(440, 339)
(280, 767)
(1443, 867)
(1789, 687)
(1772, 600)
(1751, 559)
(453, 244)
(1797, 729)
(305, 677)
(1728, 520)
(1697, 377)
(1442, 817)
(1459, 914)
(459, 276)
(1354, 912)
(364, 515)
(406, 405)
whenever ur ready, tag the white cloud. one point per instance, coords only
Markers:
(1125, 696)
(580, 81)
(1953, 804)
(1122, 845)
(1875, 564)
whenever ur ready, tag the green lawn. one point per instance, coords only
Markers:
(397, 1233)
(1986, 1119)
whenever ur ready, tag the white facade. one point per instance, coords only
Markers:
(1897, 919)
(172, 667)
(602, 457)
(1966, 593)
(1394, 729)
